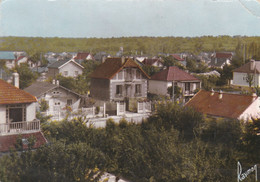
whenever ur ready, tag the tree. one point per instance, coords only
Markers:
(44, 106)
(249, 79)
(26, 76)
(251, 141)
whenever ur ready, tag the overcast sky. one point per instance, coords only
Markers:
(117, 18)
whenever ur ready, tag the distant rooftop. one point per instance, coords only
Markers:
(6, 55)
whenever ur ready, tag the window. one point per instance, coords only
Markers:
(138, 74)
(56, 92)
(138, 89)
(120, 75)
(128, 74)
(119, 90)
(76, 73)
(69, 102)
(187, 86)
(66, 73)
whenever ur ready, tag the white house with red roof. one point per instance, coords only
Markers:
(226, 105)
(17, 117)
(179, 58)
(220, 59)
(241, 74)
(83, 56)
(161, 81)
(156, 62)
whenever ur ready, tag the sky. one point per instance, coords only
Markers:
(128, 18)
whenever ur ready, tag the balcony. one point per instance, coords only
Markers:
(188, 93)
(20, 127)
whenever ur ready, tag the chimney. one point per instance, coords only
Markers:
(253, 96)
(123, 59)
(212, 92)
(57, 82)
(252, 64)
(16, 79)
(104, 59)
(53, 82)
(220, 94)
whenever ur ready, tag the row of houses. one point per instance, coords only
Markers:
(118, 85)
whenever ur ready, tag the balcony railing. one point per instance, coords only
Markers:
(19, 127)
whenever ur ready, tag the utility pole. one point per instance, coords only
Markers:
(173, 91)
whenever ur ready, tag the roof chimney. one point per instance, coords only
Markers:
(57, 82)
(253, 96)
(104, 59)
(252, 64)
(212, 92)
(123, 59)
(16, 79)
(53, 82)
(220, 94)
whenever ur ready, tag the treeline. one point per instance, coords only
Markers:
(131, 45)
(176, 144)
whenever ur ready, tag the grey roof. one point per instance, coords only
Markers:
(39, 69)
(39, 88)
(59, 63)
(4, 55)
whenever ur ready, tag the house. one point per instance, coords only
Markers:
(8, 58)
(58, 98)
(243, 73)
(178, 58)
(161, 81)
(18, 117)
(226, 105)
(21, 59)
(83, 56)
(156, 62)
(119, 80)
(67, 68)
(220, 59)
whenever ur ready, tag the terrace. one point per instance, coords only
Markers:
(19, 127)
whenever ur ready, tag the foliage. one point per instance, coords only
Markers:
(251, 141)
(177, 91)
(44, 106)
(249, 79)
(56, 162)
(26, 76)
(174, 144)
(150, 70)
(185, 120)
(170, 61)
(208, 82)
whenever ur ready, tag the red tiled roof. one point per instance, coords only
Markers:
(173, 73)
(82, 55)
(230, 106)
(9, 94)
(176, 56)
(246, 68)
(112, 66)
(19, 58)
(223, 55)
(150, 62)
(8, 142)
